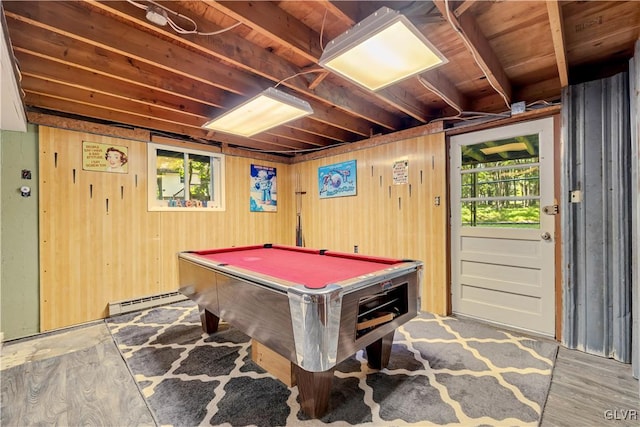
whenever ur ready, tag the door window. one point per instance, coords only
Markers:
(500, 183)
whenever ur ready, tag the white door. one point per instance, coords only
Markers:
(502, 226)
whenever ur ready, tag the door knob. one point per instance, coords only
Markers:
(545, 236)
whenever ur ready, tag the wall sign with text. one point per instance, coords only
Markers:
(104, 157)
(401, 172)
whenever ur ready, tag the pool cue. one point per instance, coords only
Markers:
(299, 193)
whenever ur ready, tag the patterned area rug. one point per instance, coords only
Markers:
(443, 371)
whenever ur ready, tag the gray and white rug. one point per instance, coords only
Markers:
(442, 371)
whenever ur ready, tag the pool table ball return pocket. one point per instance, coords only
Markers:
(315, 308)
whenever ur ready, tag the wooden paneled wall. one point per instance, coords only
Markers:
(386, 219)
(90, 256)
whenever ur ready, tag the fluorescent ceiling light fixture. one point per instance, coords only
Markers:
(513, 146)
(381, 50)
(266, 110)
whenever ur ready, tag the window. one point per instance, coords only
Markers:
(500, 183)
(185, 179)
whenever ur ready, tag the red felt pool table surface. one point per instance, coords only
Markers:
(312, 268)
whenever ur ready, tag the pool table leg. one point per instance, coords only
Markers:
(314, 389)
(209, 320)
(379, 352)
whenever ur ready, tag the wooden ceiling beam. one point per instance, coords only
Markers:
(248, 57)
(96, 100)
(48, 69)
(479, 47)
(546, 90)
(46, 18)
(124, 64)
(114, 116)
(272, 137)
(463, 7)
(337, 135)
(334, 10)
(295, 134)
(100, 99)
(316, 82)
(541, 92)
(557, 34)
(374, 141)
(42, 43)
(79, 125)
(498, 122)
(536, 45)
(407, 103)
(437, 82)
(267, 19)
(75, 21)
(271, 21)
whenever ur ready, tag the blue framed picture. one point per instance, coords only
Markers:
(264, 190)
(337, 180)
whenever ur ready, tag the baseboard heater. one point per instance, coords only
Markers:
(135, 304)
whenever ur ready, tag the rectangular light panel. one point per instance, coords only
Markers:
(268, 109)
(381, 50)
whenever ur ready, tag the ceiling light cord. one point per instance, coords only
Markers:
(425, 84)
(177, 28)
(17, 69)
(462, 115)
(138, 5)
(324, 18)
(459, 31)
(299, 74)
(505, 114)
(223, 30)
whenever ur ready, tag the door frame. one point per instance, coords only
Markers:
(557, 172)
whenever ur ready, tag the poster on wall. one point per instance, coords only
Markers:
(104, 157)
(401, 172)
(337, 180)
(263, 194)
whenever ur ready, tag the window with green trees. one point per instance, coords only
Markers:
(184, 178)
(500, 183)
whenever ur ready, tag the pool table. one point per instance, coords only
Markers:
(314, 307)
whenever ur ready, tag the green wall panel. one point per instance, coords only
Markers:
(19, 272)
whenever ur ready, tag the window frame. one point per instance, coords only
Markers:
(217, 160)
(496, 166)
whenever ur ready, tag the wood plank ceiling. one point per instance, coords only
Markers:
(104, 61)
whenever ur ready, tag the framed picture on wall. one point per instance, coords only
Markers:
(263, 190)
(104, 157)
(337, 180)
